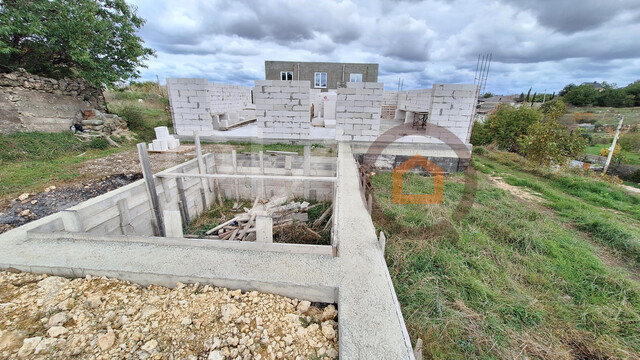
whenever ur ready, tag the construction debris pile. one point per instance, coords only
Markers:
(288, 220)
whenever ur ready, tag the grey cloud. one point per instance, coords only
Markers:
(570, 16)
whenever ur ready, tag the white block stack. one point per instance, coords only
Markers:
(282, 109)
(164, 141)
(358, 111)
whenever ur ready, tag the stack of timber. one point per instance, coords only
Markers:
(284, 213)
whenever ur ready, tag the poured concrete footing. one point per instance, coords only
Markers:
(371, 325)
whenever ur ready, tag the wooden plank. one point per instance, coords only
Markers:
(125, 217)
(147, 173)
(281, 152)
(238, 124)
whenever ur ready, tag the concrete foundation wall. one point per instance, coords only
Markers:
(283, 109)
(128, 211)
(358, 111)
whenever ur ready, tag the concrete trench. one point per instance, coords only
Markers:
(112, 235)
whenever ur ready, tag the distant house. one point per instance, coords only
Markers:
(596, 85)
(321, 75)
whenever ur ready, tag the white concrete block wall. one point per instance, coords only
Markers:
(229, 98)
(389, 98)
(283, 109)
(358, 111)
(452, 107)
(190, 106)
(415, 100)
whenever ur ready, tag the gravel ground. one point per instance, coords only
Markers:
(49, 317)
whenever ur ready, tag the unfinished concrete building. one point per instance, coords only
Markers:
(135, 232)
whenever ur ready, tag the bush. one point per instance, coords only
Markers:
(99, 143)
(509, 123)
(635, 177)
(630, 141)
(480, 134)
(549, 141)
(553, 109)
(134, 117)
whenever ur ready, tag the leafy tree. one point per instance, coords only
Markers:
(92, 39)
(480, 134)
(615, 98)
(566, 89)
(487, 95)
(553, 109)
(633, 91)
(528, 94)
(582, 95)
(533, 99)
(509, 123)
(548, 141)
(520, 98)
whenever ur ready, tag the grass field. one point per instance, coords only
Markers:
(604, 115)
(32, 161)
(549, 275)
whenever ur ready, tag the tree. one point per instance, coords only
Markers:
(487, 95)
(548, 141)
(92, 39)
(633, 91)
(566, 89)
(614, 98)
(528, 93)
(509, 123)
(581, 95)
(553, 109)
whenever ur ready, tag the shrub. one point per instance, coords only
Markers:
(553, 109)
(480, 134)
(510, 123)
(585, 117)
(550, 141)
(630, 141)
(635, 177)
(134, 117)
(99, 143)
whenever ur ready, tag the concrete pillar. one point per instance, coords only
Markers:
(172, 223)
(409, 117)
(264, 228)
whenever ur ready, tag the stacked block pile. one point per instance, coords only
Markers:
(282, 109)
(452, 107)
(163, 141)
(358, 111)
(190, 106)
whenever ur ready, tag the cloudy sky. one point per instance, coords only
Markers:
(544, 44)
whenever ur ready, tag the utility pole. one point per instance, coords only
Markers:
(613, 146)
(544, 96)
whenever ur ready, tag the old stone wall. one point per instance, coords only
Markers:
(358, 111)
(34, 103)
(283, 109)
